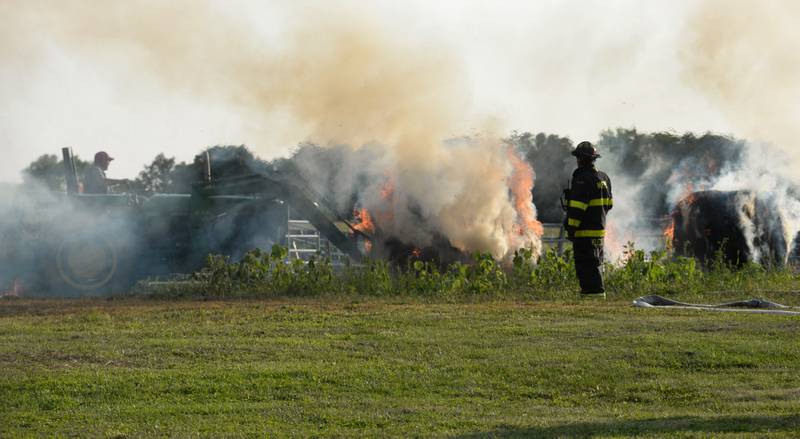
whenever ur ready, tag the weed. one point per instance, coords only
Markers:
(265, 274)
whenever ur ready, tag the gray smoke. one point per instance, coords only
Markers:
(56, 244)
(653, 172)
(474, 193)
(43, 235)
(342, 80)
(338, 79)
(743, 56)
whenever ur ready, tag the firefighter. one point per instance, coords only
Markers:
(589, 202)
(95, 180)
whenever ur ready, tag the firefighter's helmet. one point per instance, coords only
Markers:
(585, 149)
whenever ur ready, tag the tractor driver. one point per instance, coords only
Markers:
(95, 180)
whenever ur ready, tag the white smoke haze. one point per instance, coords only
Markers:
(628, 221)
(745, 56)
(758, 174)
(206, 72)
(38, 227)
(469, 195)
(141, 77)
(337, 79)
(750, 170)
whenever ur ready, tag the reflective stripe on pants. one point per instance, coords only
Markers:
(590, 233)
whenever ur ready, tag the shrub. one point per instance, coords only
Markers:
(261, 274)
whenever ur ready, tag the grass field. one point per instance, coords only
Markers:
(393, 367)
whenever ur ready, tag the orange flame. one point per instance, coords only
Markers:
(521, 184)
(689, 199)
(669, 232)
(365, 224)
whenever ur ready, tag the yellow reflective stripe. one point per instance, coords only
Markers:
(574, 222)
(577, 204)
(590, 234)
(601, 202)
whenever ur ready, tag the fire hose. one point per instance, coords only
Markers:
(758, 306)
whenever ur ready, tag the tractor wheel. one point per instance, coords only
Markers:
(89, 267)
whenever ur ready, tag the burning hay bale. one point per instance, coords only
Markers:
(476, 196)
(378, 243)
(742, 226)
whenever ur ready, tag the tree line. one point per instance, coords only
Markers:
(649, 159)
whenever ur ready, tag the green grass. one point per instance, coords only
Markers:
(393, 367)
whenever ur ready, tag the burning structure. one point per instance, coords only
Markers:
(742, 226)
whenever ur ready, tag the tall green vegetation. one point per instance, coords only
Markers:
(268, 274)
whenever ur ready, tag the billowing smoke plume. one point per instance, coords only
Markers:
(745, 57)
(47, 241)
(344, 80)
(478, 198)
(340, 80)
(651, 172)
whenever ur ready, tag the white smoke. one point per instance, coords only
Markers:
(337, 79)
(743, 56)
(757, 173)
(747, 167)
(46, 237)
(476, 194)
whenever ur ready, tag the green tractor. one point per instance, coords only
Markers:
(80, 244)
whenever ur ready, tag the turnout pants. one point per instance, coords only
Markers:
(588, 262)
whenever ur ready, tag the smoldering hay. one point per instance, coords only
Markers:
(340, 80)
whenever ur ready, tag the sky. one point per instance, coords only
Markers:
(140, 77)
